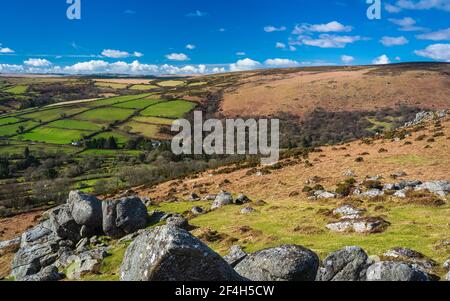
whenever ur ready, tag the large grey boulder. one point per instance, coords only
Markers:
(47, 274)
(64, 225)
(223, 199)
(86, 209)
(235, 256)
(348, 264)
(395, 271)
(365, 225)
(169, 253)
(178, 221)
(284, 263)
(124, 216)
(410, 256)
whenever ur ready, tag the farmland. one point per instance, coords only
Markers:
(170, 109)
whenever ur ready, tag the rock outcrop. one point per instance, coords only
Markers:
(169, 253)
(395, 271)
(348, 264)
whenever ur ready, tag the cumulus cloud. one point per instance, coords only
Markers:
(333, 26)
(280, 45)
(392, 8)
(118, 54)
(394, 41)
(440, 35)
(190, 46)
(347, 59)
(281, 63)
(5, 50)
(240, 53)
(329, 41)
(37, 63)
(245, 65)
(381, 60)
(197, 14)
(407, 24)
(7, 68)
(438, 52)
(292, 48)
(177, 57)
(274, 29)
(423, 4)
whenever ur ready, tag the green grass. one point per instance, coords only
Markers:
(18, 149)
(109, 152)
(143, 87)
(110, 268)
(53, 114)
(121, 139)
(116, 100)
(387, 126)
(8, 120)
(170, 109)
(171, 83)
(73, 124)
(106, 114)
(111, 85)
(138, 103)
(142, 129)
(20, 89)
(8, 130)
(54, 135)
(154, 120)
(414, 160)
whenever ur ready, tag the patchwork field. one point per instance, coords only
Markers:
(16, 90)
(170, 109)
(142, 129)
(154, 120)
(171, 83)
(73, 124)
(106, 114)
(143, 87)
(53, 114)
(8, 130)
(54, 135)
(138, 103)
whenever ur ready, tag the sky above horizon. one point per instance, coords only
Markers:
(198, 36)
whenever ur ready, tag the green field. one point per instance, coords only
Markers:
(170, 109)
(17, 149)
(8, 120)
(111, 85)
(121, 139)
(171, 83)
(8, 130)
(117, 100)
(73, 124)
(106, 114)
(53, 114)
(109, 152)
(53, 135)
(20, 89)
(138, 103)
(154, 120)
(143, 87)
(142, 129)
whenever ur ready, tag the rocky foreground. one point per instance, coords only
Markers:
(71, 242)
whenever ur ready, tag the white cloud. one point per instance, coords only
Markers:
(394, 41)
(245, 65)
(280, 45)
(37, 63)
(381, 60)
(190, 46)
(407, 24)
(240, 53)
(329, 41)
(177, 57)
(274, 29)
(438, 52)
(118, 54)
(347, 59)
(222, 30)
(333, 26)
(5, 50)
(440, 35)
(281, 63)
(6, 68)
(197, 14)
(424, 4)
(392, 8)
(292, 48)
(397, 58)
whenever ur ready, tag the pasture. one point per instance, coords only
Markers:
(20, 89)
(54, 135)
(12, 129)
(53, 114)
(73, 124)
(169, 109)
(107, 114)
(171, 83)
(142, 129)
(154, 120)
(138, 103)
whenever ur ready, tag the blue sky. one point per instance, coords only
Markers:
(198, 36)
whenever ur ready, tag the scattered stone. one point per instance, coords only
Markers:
(84, 266)
(407, 184)
(395, 271)
(349, 173)
(348, 264)
(400, 193)
(235, 256)
(194, 197)
(441, 188)
(242, 199)
(173, 254)
(209, 197)
(321, 194)
(260, 203)
(284, 263)
(179, 222)
(447, 265)
(372, 193)
(347, 212)
(247, 210)
(398, 174)
(410, 256)
(223, 199)
(197, 211)
(360, 225)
